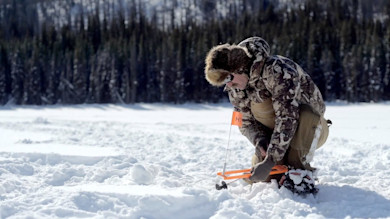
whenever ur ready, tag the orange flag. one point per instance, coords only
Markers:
(237, 119)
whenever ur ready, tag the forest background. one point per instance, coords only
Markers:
(129, 51)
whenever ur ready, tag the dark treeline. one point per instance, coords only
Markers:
(127, 55)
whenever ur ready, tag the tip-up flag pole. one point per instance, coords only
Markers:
(236, 120)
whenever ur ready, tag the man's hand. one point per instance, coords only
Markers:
(261, 171)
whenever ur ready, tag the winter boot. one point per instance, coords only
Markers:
(299, 181)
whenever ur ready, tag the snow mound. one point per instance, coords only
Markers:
(141, 175)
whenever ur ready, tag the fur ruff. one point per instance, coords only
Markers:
(223, 60)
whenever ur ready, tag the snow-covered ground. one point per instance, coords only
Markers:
(160, 161)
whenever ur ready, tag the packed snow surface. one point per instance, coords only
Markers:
(160, 161)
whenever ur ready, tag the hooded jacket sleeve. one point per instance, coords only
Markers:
(283, 83)
(253, 130)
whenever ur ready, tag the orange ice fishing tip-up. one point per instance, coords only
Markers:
(246, 173)
(237, 119)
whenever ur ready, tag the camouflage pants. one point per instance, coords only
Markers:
(311, 134)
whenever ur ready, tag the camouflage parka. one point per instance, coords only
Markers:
(287, 85)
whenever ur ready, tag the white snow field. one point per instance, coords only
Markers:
(160, 161)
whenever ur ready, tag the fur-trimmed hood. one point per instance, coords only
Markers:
(225, 59)
(257, 47)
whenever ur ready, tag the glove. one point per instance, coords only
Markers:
(261, 171)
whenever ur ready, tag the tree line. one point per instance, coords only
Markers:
(129, 55)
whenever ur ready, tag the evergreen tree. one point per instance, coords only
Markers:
(17, 77)
(5, 76)
(103, 53)
(386, 78)
(53, 79)
(81, 72)
(34, 78)
(314, 59)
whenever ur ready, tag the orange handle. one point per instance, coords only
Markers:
(247, 175)
(278, 169)
(235, 171)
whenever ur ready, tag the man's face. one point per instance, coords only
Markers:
(239, 81)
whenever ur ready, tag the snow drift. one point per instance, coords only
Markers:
(160, 161)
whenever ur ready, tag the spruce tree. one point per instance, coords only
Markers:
(5, 76)
(34, 78)
(17, 78)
